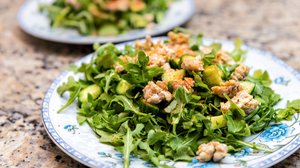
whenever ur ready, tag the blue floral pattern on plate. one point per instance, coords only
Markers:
(242, 153)
(70, 128)
(281, 81)
(276, 133)
(208, 165)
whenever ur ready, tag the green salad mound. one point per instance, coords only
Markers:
(105, 17)
(174, 100)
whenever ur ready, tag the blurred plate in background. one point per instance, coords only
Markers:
(35, 23)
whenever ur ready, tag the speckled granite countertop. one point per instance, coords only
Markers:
(29, 65)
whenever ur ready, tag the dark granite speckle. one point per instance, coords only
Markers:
(28, 66)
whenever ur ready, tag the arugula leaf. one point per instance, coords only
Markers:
(285, 114)
(182, 154)
(138, 73)
(80, 119)
(73, 96)
(129, 144)
(216, 47)
(110, 76)
(153, 136)
(89, 72)
(262, 118)
(227, 70)
(208, 58)
(231, 140)
(294, 104)
(128, 105)
(73, 68)
(235, 120)
(237, 53)
(201, 88)
(155, 71)
(105, 56)
(262, 92)
(181, 95)
(71, 85)
(88, 108)
(196, 42)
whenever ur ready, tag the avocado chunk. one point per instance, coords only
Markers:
(138, 21)
(212, 76)
(217, 122)
(108, 30)
(175, 63)
(221, 73)
(122, 87)
(173, 76)
(94, 90)
(247, 86)
(148, 108)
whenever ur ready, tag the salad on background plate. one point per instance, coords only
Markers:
(90, 21)
(177, 99)
(105, 17)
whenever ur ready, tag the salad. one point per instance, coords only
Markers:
(175, 99)
(105, 17)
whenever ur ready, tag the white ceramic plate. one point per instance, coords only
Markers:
(82, 144)
(37, 24)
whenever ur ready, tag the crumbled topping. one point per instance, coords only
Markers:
(192, 64)
(117, 5)
(240, 73)
(179, 38)
(160, 55)
(74, 3)
(167, 68)
(162, 84)
(206, 50)
(187, 84)
(155, 93)
(213, 149)
(146, 46)
(243, 100)
(231, 88)
(182, 49)
(222, 57)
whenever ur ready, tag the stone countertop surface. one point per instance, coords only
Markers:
(29, 65)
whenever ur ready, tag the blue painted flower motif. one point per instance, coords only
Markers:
(149, 164)
(281, 81)
(70, 128)
(101, 153)
(276, 133)
(193, 162)
(208, 165)
(132, 157)
(67, 126)
(242, 153)
(120, 155)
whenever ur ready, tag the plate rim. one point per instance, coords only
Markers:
(26, 29)
(288, 150)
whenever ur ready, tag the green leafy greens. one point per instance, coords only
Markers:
(172, 130)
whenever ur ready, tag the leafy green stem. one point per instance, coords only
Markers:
(253, 146)
(71, 99)
(127, 149)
